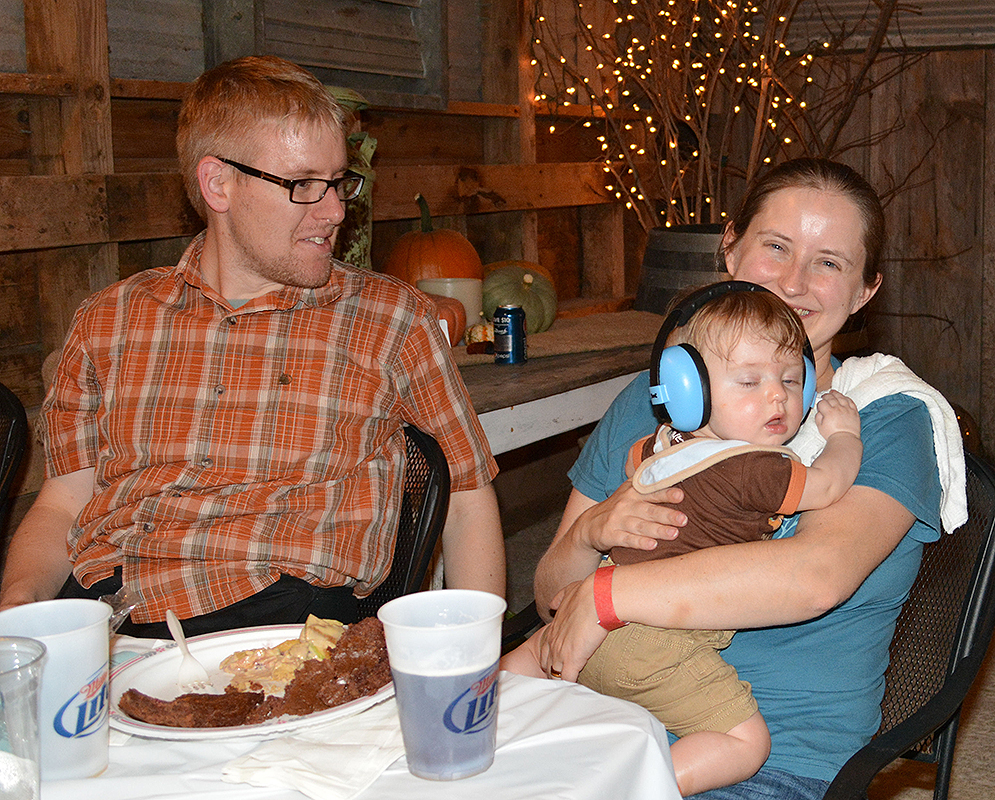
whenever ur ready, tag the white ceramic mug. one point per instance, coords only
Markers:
(73, 706)
(469, 291)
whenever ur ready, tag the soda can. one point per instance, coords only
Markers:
(510, 345)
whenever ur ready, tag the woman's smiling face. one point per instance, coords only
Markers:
(807, 246)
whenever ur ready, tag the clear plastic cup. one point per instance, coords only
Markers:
(21, 662)
(444, 648)
(73, 699)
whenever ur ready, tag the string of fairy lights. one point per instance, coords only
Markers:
(687, 94)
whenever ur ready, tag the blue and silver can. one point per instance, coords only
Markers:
(509, 335)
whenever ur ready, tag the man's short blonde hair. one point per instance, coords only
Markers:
(227, 106)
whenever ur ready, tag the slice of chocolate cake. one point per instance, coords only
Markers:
(357, 667)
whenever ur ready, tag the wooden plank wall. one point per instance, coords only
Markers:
(934, 309)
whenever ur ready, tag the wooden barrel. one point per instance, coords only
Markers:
(677, 258)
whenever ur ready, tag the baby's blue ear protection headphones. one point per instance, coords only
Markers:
(679, 388)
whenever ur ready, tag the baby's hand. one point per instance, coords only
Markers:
(837, 413)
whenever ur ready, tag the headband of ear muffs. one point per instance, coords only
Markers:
(679, 388)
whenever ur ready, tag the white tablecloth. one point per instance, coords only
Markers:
(555, 740)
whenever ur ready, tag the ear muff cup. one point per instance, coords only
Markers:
(686, 393)
(679, 387)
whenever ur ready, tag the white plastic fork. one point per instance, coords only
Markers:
(191, 677)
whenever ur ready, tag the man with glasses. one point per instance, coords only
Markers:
(224, 437)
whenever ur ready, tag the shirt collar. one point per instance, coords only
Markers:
(289, 297)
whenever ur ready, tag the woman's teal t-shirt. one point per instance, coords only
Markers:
(819, 683)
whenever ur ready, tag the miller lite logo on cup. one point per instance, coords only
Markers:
(84, 712)
(473, 710)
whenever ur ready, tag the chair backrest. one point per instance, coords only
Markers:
(424, 506)
(947, 616)
(13, 441)
(940, 641)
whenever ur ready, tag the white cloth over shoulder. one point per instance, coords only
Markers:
(866, 379)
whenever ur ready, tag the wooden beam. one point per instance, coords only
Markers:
(36, 84)
(60, 210)
(148, 90)
(229, 30)
(482, 109)
(603, 270)
(527, 125)
(986, 418)
(149, 206)
(71, 135)
(478, 189)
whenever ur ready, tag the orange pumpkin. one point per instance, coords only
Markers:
(452, 311)
(430, 253)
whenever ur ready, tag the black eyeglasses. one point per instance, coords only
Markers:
(307, 190)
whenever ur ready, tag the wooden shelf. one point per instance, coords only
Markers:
(127, 88)
(35, 84)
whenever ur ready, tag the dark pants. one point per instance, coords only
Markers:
(286, 602)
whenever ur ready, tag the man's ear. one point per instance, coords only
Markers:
(214, 181)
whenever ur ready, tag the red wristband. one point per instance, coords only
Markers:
(603, 604)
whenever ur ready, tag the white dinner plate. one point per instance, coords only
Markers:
(154, 673)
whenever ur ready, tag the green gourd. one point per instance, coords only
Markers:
(519, 283)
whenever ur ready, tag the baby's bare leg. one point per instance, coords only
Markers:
(709, 759)
(524, 659)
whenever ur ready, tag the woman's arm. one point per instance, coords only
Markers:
(588, 529)
(757, 584)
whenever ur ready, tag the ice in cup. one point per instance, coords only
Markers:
(444, 648)
(73, 700)
(21, 663)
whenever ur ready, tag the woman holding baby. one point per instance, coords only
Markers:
(815, 606)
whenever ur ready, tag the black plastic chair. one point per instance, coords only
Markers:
(424, 506)
(517, 628)
(940, 641)
(13, 440)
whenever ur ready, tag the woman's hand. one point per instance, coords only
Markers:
(588, 529)
(631, 519)
(574, 634)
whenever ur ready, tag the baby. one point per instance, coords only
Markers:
(742, 351)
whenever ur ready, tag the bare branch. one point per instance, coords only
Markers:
(699, 93)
